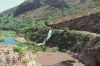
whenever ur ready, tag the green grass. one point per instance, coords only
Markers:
(7, 33)
(20, 49)
(1, 38)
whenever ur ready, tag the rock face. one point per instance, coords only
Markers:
(90, 56)
(27, 6)
(11, 58)
(87, 51)
(86, 23)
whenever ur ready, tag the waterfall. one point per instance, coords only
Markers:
(48, 37)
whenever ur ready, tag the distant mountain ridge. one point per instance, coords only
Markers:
(31, 5)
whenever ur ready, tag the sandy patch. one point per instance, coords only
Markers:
(20, 39)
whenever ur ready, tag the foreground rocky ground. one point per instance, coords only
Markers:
(8, 57)
(11, 58)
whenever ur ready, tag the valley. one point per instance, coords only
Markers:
(51, 33)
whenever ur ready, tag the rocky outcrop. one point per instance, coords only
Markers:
(86, 23)
(27, 6)
(86, 49)
(90, 57)
(12, 58)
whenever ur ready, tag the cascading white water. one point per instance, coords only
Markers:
(48, 37)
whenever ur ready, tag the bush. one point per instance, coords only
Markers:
(1, 38)
(98, 36)
(66, 30)
(37, 48)
(54, 49)
(94, 5)
(20, 49)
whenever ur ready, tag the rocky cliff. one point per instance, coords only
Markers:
(85, 47)
(11, 58)
(89, 23)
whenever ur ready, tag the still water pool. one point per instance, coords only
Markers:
(10, 41)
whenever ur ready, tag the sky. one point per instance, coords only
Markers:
(7, 4)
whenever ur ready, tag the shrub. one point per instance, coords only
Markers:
(94, 5)
(1, 38)
(66, 30)
(20, 49)
(54, 49)
(76, 33)
(38, 48)
(98, 36)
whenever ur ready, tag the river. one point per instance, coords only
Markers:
(8, 37)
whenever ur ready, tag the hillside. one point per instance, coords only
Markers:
(54, 12)
(69, 26)
(89, 23)
(29, 8)
(80, 15)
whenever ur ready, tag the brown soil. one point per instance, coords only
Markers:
(51, 58)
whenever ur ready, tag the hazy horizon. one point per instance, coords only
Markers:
(7, 4)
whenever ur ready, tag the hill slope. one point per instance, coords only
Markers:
(32, 19)
(56, 12)
(36, 5)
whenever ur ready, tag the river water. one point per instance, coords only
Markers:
(8, 37)
(10, 41)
